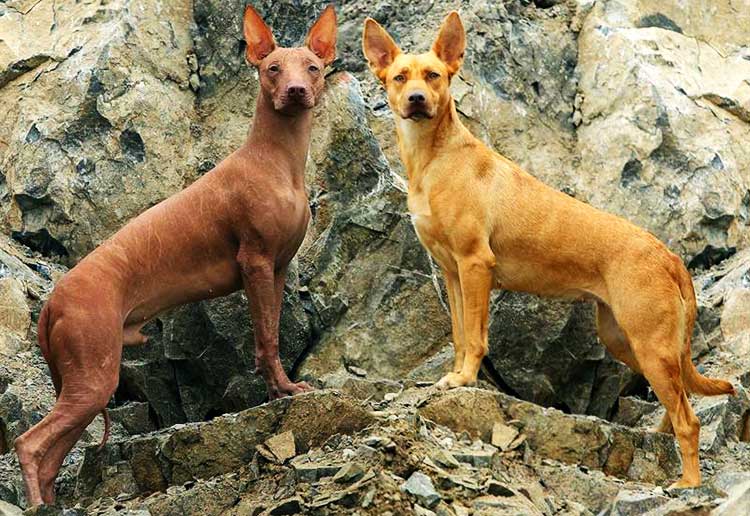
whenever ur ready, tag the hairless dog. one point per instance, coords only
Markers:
(236, 227)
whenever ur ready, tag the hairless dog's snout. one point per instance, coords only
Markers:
(298, 95)
(296, 91)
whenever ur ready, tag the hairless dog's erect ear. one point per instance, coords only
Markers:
(258, 37)
(451, 42)
(379, 48)
(321, 38)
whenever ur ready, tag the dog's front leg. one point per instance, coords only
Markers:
(475, 277)
(264, 287)
(453, 286)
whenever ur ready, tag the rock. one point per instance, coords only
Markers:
(134, 417)
(281, 446)
(495, 488)
(459, 509)
(348, 473)
(288, 506)
(7, 509)
(630, 410)
(568, 438)
(360, 388)
(734, 316)
(481, 458)
(445, 459)
(203, 450)
(634, 503)
(421, 511)
(648, 150)
(465, 410)
(312, 472)
(737, 502)
(420, 486)
(503, 435)
(15, 315)
(358, 371)
(500, 504)
(94, 153)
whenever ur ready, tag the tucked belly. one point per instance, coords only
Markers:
(548, 280)
(169, 289)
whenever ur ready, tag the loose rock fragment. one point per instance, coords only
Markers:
(503, 435)
(292, 505)
(420, 486)
(445, 459)
(349, 473)
(281, 447)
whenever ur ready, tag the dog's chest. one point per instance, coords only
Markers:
(428, 228)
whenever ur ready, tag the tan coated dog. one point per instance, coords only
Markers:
(489, 224)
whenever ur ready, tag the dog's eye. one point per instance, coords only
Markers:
(274, 68)
(313, 69)
(433, 75)
(399, 78)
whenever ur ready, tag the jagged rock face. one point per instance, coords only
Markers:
(640, 108)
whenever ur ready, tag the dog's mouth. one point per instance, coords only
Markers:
(416, 114)
(293, 105)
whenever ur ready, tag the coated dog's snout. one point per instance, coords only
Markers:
(296, 91)
(416, 97)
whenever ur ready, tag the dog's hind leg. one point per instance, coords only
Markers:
(54, 458)
(88, 379)
(654, 332)
(615, 341)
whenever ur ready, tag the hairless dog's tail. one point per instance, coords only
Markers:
(107, 425)
(694, 381)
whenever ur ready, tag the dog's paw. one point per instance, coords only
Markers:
(452, 380)
(684, 484)
(289, 389)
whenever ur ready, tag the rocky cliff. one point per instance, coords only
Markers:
(640, 108)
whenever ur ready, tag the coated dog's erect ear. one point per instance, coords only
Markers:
(379, 48)
(451, 42)
(258, 37)
(321, 38)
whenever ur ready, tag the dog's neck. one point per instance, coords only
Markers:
(420, 140)
(281, 138)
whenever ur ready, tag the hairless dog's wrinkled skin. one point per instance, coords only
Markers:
(237, 226)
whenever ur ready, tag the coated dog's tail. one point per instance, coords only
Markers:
(43, 336)
(693, 380)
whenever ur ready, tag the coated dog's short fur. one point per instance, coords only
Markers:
(488, 224)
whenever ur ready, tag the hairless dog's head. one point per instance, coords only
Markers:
(292, 77)
(418, 85)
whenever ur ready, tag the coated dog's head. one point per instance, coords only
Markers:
(418, 85)
(292, 77)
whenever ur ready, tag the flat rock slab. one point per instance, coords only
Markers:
(203, 450)
(585, 440)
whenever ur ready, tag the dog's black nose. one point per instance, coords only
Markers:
(416, 97)
(296, 91)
